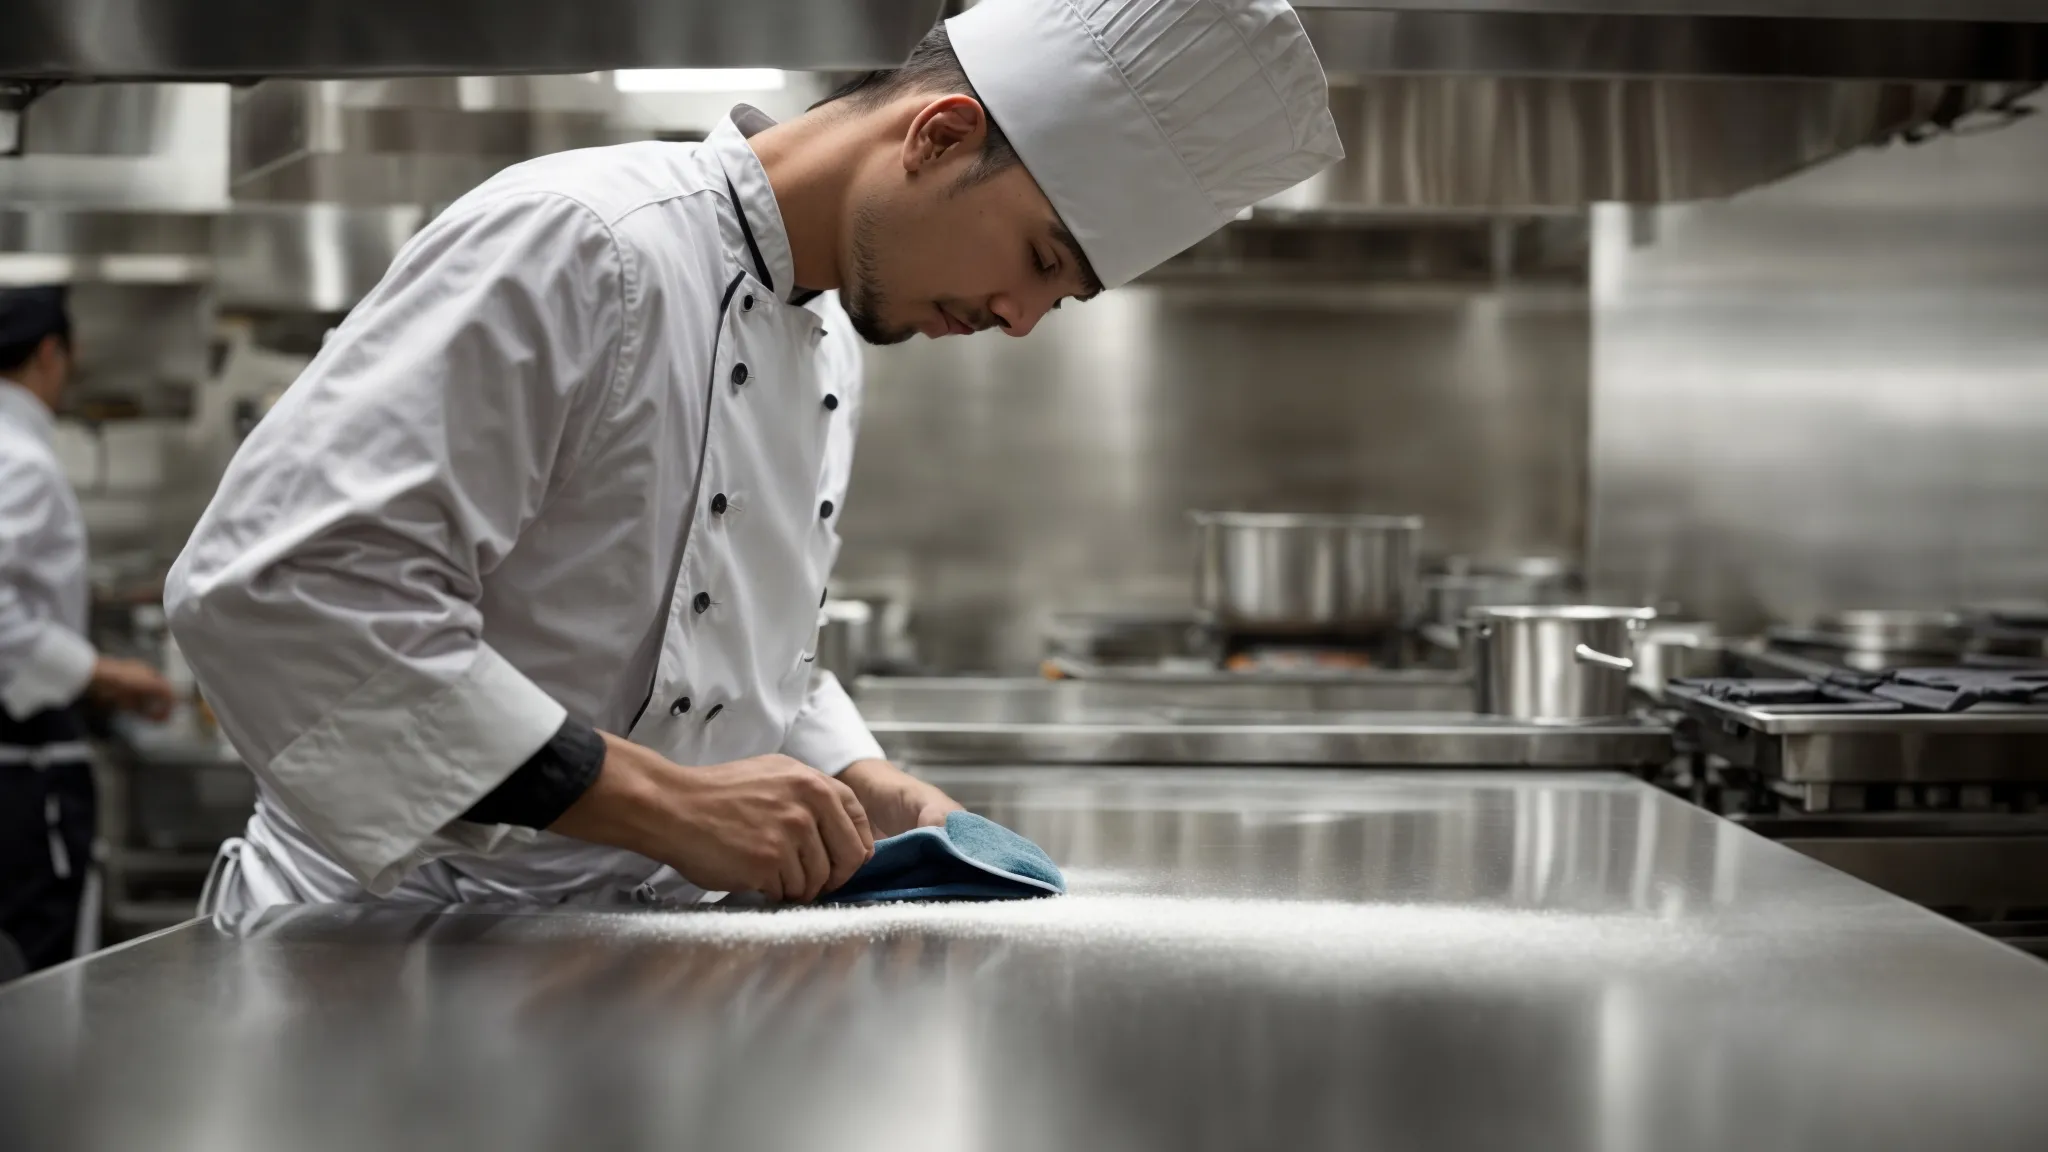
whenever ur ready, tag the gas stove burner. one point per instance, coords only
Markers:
(2016, 615)
(1900, 690)
(1298, 659)
(1959, 689)
(1815, 696)
(1993, 647)
(1249, 653)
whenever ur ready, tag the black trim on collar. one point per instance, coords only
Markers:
(747, 230)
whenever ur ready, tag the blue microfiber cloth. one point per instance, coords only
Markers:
(971, 858)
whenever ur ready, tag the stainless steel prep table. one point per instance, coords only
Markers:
(1249, 959)
(1396, 720)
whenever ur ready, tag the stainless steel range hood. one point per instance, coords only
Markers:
(327, 39)
(1548, 143)
(332, 39)
(1944, 40)
(419, 141)
(376, 111)
(1549, 105)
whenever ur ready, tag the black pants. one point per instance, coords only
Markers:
(47, 812)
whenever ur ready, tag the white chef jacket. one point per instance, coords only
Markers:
(576, 453)
(45, 659)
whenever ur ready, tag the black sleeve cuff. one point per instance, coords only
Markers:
(537, 792)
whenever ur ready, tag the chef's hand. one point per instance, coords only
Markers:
(765, 824)
(895, 800)
(131, 686)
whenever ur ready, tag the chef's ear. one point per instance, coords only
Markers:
(952, 125)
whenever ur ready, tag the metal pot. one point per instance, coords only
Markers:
(889, 604)
(1553, 665)
(1303, 574)
(1668, 650)
(1894, 630)
(1448, 596)
(846, 638)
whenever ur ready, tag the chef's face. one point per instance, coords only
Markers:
(940, 246)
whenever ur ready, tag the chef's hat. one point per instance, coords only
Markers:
(1150, 123)
(29, 314)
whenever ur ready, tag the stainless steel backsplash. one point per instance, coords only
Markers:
(1000, 480)
(1830, 393)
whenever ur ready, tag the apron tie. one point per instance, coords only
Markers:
(60, 857)
(212, 892)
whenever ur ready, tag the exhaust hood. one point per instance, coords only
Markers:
(84, 40)
(416, 141)
(1537, 144)
(370, 114)
(1519, 106)
(334, 39)
(1937, 40)
(49, 42)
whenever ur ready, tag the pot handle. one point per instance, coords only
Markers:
(1587, 655)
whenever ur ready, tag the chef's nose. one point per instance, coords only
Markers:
(1017, 315)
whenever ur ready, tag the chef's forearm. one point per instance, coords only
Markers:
(626, 804)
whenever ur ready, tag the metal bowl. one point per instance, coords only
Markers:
(1290, 573)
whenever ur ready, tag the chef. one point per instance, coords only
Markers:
(47, 804)
(513, 595)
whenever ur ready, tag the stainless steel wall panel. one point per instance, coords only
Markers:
(1832, 393)
(1001, 480)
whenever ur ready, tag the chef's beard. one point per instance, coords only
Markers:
(864, 300)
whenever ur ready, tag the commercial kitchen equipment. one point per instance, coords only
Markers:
(846, 638)
(1464, 583)
(1875, 638)
(170, 791)
(1927, 782)
(1304, 574)
(1376, 719)
(169, 794)
(1554, 665)
(1168, 640)
(1545, 84)
(1283, 596)
(1667, 650)
(2014, 632)
(1248, 959)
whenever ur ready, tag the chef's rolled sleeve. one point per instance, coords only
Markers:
(43, 664)
(829, 733)
(402, 757)
(52, 669)
(328, 600)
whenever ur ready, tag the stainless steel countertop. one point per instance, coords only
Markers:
(1398, 721)
(1262, 959)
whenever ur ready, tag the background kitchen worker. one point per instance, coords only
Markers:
(513, 594)
(47, 804)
